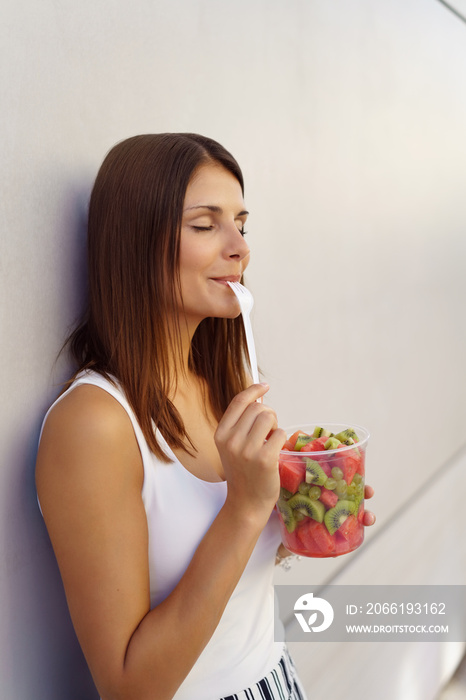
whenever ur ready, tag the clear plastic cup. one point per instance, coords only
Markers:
(321, 502)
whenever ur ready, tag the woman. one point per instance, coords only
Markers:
(157, 467)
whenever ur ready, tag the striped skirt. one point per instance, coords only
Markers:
(282, 683)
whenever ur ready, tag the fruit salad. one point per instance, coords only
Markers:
(321, 504)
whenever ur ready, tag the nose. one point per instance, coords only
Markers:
(236, 247)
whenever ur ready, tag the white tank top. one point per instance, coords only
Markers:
(180, 508)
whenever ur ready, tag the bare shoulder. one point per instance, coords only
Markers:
(87, 434)
(90, 408)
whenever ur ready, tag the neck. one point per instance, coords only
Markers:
(179, 364)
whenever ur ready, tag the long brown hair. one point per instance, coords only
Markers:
(134, 229)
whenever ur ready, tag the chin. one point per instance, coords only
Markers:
(226, 315)
(225, 311)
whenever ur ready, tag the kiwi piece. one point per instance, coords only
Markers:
(336, 516)
(349, 441)
(346, 434)
(314, 473)
(287, 514)
(321, 432)
(332, 443)
(301, 441)
(314, 509)
(285, 494)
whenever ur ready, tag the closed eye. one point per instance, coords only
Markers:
(242, 231)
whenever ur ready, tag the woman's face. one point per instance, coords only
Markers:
(212, 246)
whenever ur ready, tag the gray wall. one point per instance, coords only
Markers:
(348, 119)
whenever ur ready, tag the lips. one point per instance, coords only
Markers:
(228, 278)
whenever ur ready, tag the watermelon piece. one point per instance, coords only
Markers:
(305, 537)
(316, 538)
(316, 445)
(342, 545)
(292, 473)
(349, 527)
(348, 463)
(329, 498)
(291, 541)
(357, 538)
(349, 539)
(360, 468)
(325, 466)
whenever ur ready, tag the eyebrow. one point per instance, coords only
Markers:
(215, 209)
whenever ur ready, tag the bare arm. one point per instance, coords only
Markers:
(89, 478)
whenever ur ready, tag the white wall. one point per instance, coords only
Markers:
(348, 119)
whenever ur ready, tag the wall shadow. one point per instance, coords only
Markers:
(44, 657)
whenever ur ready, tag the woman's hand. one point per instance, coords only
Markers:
(249, 441)
(369, 517)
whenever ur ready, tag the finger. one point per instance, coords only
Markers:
(258, 421)
(284, 439)
(368, 492)
(276, 439)
(368, 518)
(251, 429)
(240, 403)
